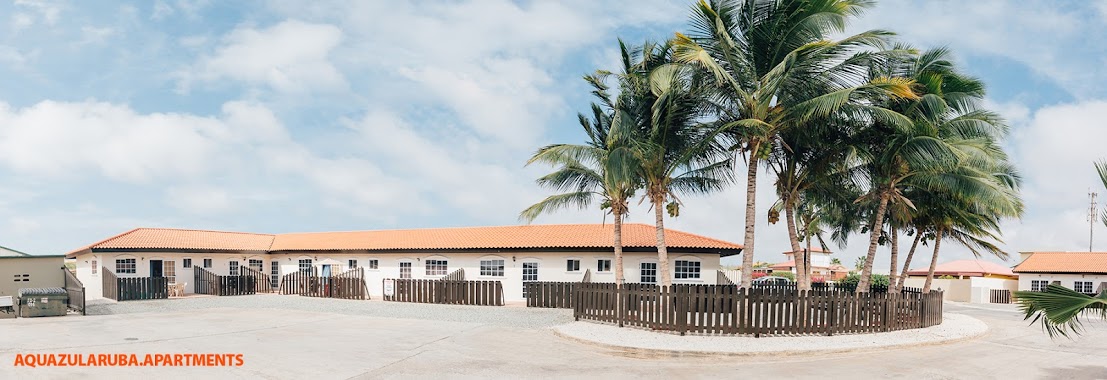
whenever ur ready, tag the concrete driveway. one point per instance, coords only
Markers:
(284, 343)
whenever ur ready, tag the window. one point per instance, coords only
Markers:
(493, 268)
(207, 263)
(436, 267)
(21, 278)
(1038, 285)
(187, 263)
(256, 264)
(95, 267)
(530, 274)
(649, 273)
(233, 267)
(305, 265)
(1082, 287)
(405, 270)
(274, 274)
(572, 265)
(352, 263)
(687, 269)
(603, 265)
(169, 269)
(125, 266)
(373, 264)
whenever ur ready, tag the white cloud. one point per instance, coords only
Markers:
(199, 199)
(49, 11)
(1052, 40)
(22, 21)
(96, 35)
(288, 57)
(161, 10)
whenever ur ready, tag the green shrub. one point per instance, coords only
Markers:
(853, 278)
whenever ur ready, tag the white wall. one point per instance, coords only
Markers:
(968, 289)
(552, 266)
(220, 265)
(1066, 280)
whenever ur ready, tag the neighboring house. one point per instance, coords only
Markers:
(20, 270)
(821, 265)
(973, 280)
(1085, 272)
(8, 252)
(510, 254)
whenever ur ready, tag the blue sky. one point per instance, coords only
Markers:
(308, 116)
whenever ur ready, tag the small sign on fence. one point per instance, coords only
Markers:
(389, 287)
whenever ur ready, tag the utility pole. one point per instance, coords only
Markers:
(1091, 217)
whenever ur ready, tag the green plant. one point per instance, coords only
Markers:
(877, 280)
(1059, 308)
(947, 277)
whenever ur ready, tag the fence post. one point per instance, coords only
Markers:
(832, 314)
(682, 309)
(621, 310)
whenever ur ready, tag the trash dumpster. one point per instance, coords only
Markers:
(7, 307)
(43, 302)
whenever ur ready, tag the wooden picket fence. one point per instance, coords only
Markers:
(308, 283)
(206, 282)
(481, 293)
(76, 291)
(133, 288)
(550, 294)
(721, 309)
(1000, 296)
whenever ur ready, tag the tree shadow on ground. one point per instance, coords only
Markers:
(1075, 372)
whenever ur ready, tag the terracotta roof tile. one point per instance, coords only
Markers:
(506, 237)
(529, 236)
(976, 268)
(813, 249)
(171, 238)
(1064, 262)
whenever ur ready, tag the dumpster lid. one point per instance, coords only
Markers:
(41, 291)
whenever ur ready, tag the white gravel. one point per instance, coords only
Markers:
(954, 327)
(519, 317)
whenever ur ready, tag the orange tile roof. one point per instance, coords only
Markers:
(813, 249)
(972, 268)
(1064, 262)
(529, 236)
(788, 265)
(172, 238)
(506, 237)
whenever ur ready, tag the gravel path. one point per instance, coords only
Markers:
(519, 317)
(953, 328)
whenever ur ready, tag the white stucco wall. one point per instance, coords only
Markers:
(551, 266)
(1066, 280)
(220, 265)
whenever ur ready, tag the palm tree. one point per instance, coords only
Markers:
(602, 168)
(660, 112)
(1059, 308)
(776, 68)
(950, 147)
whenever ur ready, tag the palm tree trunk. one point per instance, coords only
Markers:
(933, 261)
(807, 257)
(874, 240)
(662, 252)
(907, 262)
(893, 233)
(751, 214)
(619, 248)
(793, 239)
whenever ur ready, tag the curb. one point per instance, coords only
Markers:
(646, 352)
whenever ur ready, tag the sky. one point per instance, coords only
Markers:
(352, 115)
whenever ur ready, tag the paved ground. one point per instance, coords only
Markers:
(288, 342)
